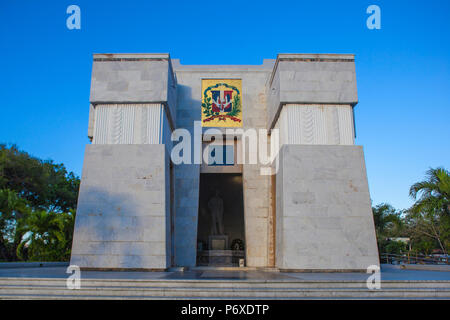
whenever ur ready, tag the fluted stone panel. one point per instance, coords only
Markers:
(316, 124)
(131, 124)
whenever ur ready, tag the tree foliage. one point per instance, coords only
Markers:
(429, 217)
(389, 224)
(37, 207)
(426, 223)
(44, 184)
(47, 236)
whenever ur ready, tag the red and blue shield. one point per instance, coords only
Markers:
(221, 100)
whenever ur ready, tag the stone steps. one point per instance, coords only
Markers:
(27, 288)
(283, 284)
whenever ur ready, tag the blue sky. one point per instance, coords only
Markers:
(403, 70)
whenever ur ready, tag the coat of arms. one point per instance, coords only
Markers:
(221, 103)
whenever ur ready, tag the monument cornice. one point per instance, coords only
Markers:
(131, 57)
(310, 57)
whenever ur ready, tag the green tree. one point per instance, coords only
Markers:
(426, 225)
(430, 214)
(433, 193)
(37, 207)
(389, 223)
(13, 210)
(44, 184)
(48, 236)
(395, 247)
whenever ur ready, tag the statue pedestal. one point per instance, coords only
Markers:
(218, 253)
(219, 258)
(218, 242)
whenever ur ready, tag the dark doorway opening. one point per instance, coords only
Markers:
(221, 230)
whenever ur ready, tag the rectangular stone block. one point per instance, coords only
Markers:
(309, 79)
(143, 78)
(121, 217)
(324, 220)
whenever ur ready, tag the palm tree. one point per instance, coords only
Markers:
(434, 191)
(42, 234)
(430, 214)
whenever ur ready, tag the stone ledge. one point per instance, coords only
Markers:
(323, 270)
(125, 269)
(12, 265)
(130, 56)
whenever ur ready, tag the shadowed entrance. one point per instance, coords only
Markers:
(220, 232)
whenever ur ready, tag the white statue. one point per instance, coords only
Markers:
(215, 205)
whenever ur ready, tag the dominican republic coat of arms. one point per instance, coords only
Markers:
(221, 103)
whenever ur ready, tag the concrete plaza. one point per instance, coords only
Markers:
(50, 283)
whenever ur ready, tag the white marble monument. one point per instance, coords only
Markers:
(137, 209)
